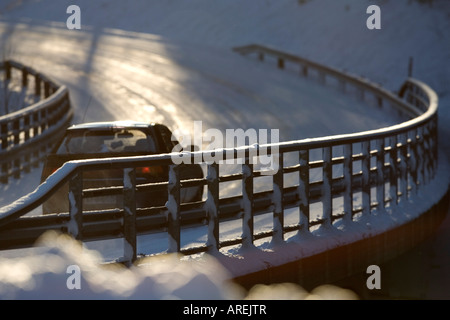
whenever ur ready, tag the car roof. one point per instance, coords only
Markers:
(110, 125)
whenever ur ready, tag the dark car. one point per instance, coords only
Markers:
(117, 139)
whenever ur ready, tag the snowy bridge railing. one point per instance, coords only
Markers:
(384, 166)
(26, 135)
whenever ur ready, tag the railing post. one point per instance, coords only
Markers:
(212, 207)
(43, 120)
(303, 192)
(46, 89)
(24, 77)
(281, 63)
(379, 101)
(404, 167)
(278, 203)
(426, 154)
(261, 56)
(411, 136)
(26, 126)
(348, 180)
(4, 177)
(327, 198)
(36, 123)
(419, 157)
(173, 206)
(365, 166)
(247, 204)
(432, 154)
(17, 162)
(380, 176)
(76, 206)
(37, 85)
(4, 135)
(304, 70)
(129, 218)
(393, 158)
(413, 161)
(16, 132)
(7, 70)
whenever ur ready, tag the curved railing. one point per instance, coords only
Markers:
(27, 135)
(385, 167)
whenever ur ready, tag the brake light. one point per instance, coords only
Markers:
(144, 170)
(150, 171)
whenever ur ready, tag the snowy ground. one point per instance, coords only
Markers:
(172, 62)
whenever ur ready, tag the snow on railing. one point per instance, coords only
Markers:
(386, 167)
(27, 135)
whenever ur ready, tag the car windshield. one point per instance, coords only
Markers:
(107, 141)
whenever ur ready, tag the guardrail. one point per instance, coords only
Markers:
(385, 166)
(28, 134)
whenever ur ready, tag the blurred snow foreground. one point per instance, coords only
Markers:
(52, 274)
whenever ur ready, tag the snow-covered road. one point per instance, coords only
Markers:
(119, 75)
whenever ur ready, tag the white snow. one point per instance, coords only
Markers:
(171, 62)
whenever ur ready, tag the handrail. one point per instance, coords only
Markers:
(405, 157)
(26, 135)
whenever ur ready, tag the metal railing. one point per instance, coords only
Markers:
(385, 167)
(28, 134)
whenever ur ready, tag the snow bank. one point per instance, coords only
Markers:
(61, 268)
(46, 273)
